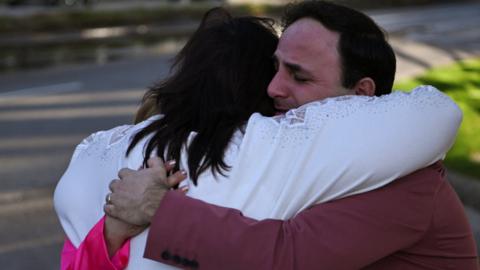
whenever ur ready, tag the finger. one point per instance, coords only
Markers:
(156, 168)
(155, 162)
(113, 199)
(125, 172)
(113, 185)
(108, 198)
(176, 178)
(110, 210)
(170, 165)
(184, 189)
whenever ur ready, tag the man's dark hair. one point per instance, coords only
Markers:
(219, 79)
(363, 47)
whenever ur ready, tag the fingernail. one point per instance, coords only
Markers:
(183, 172)
(171, 162)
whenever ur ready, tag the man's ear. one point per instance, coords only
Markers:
(365, 87)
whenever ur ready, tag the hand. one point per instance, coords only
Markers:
(116, 232)
(136, 196)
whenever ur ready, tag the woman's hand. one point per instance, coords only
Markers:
(116, 232)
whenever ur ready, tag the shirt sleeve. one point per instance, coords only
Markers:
(92, 253)
(348, 233)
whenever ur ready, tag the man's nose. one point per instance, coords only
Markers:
(276, 88)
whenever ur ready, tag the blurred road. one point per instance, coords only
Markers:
(424, 37)
(45, 113)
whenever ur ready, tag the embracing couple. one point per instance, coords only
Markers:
(260, 152)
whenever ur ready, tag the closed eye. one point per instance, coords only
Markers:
(299, 79)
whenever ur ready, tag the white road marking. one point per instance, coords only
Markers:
(67, 113)
(33, 243)
(130, 95)
(44, 90)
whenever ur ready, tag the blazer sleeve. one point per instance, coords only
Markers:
(92, 253)
(363, 228)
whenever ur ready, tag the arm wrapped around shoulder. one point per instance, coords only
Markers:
(375, 140)
(342, 146)
(404, 132)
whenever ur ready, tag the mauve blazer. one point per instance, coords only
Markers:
(416, 222)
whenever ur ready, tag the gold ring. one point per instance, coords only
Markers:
(108, 198)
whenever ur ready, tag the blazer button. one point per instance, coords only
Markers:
(194, 264)
(185, 262)
(166, 255)
(176, 259)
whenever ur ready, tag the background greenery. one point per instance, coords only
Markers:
(461, 81)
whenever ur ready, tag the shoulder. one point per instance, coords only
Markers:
(347, 109)
(409, 200)
(412, 197)
(106, 139)
(98, 139)
(430, 178)
(418, 187)
(448, 224)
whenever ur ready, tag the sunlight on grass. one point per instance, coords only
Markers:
(461, 82)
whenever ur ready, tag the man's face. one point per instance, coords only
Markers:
(308, 66)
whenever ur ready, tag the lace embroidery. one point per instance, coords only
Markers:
(106, 144)
(302, 122)
(119, 134)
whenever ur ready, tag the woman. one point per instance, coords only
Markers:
(204, 108)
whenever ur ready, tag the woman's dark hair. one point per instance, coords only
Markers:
(219, 79)
(363, 48)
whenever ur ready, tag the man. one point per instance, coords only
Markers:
(417, 222)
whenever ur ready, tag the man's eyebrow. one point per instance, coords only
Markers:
(297, 68)
(291, 66)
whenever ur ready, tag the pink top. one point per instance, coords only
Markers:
(92, 253)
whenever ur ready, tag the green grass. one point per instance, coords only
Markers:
(461, 82)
